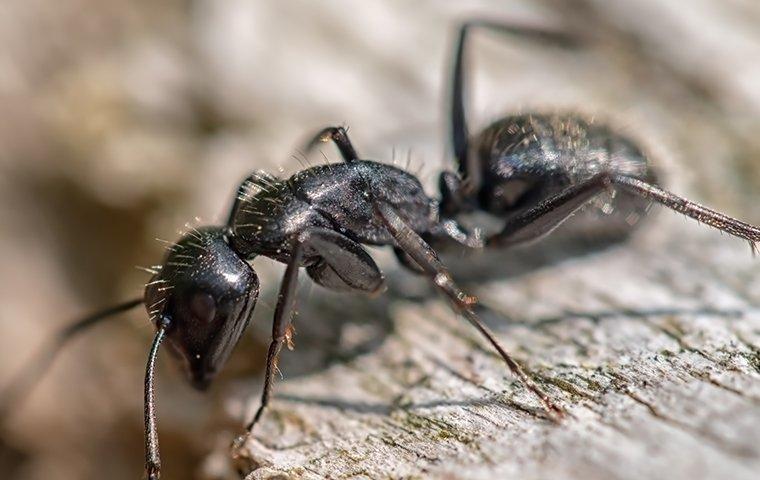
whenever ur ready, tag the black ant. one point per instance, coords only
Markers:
(536, 170)
(533, 171)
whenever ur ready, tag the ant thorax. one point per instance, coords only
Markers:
(337, 197)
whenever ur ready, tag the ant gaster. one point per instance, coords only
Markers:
(533, 171)
(536, 170)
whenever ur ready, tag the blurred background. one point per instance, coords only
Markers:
(120, 121)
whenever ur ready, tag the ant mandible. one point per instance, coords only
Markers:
(534, 171)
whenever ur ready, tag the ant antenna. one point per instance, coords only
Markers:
(152, 457)
(25, 381)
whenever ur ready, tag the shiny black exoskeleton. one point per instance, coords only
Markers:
(318, 219)
(534, 171)
(521, 161)
(530, 171)
(208, 291)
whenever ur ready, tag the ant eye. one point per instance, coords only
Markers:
(203, 307)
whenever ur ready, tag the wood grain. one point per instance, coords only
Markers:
(653, 348)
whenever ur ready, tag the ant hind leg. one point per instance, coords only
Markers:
(700, 213)
(542, 219)
(411, 243)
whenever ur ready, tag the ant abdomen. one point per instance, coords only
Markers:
(523, 160)
(534, 171)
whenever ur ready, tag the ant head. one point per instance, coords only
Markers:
(205, 291)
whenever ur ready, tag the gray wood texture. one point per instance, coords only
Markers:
(653, 348)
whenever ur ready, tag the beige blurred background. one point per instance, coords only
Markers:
(120, 121)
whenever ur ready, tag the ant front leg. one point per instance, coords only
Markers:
(259, 179)
(337, 135)
(282, 328)
(411, 243)
(342, 265)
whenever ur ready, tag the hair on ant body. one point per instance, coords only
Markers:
(531, 171)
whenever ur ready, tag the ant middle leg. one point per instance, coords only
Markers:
(446, 234)
(427, 259)
(467, 164)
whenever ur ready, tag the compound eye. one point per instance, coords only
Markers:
(203, 307)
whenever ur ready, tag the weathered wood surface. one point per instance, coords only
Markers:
(652, 347)
(131, 118)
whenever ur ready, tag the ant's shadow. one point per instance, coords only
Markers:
(337, 327)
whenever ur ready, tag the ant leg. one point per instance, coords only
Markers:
(408, 240)
(27, 378)
(444, 235)
(459, 132)
(449, 228)
(549, 214)
(344, 265)
(152, 455)
(456, 194)
(543, 218)
(696, 211)
(281, 326)
(337, 135)
(466, 164)
(407, 261)
(260, 179)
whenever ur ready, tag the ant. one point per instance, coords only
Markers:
(536, 170)
(532, 171)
